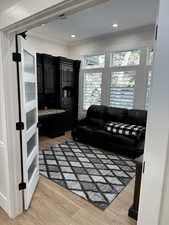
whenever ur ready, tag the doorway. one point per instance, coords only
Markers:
(90, 67)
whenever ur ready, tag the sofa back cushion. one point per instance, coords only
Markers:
(115, 114)
(95, 122)
(96, 111)
(137, 117)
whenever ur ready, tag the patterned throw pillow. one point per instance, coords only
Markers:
(125, 129)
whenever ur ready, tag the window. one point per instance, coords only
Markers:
(92, 89)
(149, 78)
(122, 89)
(111, 78)
(126, 58)
(93, 70)
(150, 56)
(94, 61)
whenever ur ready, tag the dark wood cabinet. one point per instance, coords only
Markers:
(52, 122)
(58, 82)
(67, 89)
(49, 74)
(65, 76)
(40, 82)
(40, 74)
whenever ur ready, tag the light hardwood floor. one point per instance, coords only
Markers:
(54, 205)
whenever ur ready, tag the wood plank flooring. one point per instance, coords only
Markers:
(54, 205)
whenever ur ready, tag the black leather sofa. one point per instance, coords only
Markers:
(91, 129)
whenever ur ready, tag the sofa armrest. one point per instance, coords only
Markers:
(142, 145)
(82, 121)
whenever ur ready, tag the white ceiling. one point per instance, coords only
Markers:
(97, 20)
(4, 4)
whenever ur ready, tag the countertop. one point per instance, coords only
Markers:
(47, 112)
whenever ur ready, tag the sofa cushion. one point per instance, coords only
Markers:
(124, 140)
(95, 122)
(138, 117)
(115, 114)
(84, 132)
(129, 130)
(102, 136)
(96, 111)
(106, 137)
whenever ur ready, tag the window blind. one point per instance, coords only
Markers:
(122, 89)
(92, 89)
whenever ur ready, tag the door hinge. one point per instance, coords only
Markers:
(19, 126)
(156, 32)
(22, 186)
(16, 57)
(144, 166)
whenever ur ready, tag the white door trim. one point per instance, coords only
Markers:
(3, 145)
(156, 154)
(10, 89)
(12, 145)
(64, 8)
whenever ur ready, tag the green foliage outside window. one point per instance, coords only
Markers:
(128, 58)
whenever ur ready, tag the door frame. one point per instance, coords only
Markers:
(10, 90)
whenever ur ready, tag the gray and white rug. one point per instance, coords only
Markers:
(94, 174)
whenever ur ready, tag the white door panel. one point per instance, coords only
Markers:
(29, 114)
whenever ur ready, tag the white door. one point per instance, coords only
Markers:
(29, 116)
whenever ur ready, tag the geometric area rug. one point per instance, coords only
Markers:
(95, 175)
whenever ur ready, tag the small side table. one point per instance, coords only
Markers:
(133, 211)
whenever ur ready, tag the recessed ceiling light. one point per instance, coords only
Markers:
(73, 36)
(43, 24)
(115, 25)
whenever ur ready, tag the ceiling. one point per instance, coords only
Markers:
(4, 4)
(98, 20)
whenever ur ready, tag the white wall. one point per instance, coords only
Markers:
(121, 40)
(141, 38)
(48, 47)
